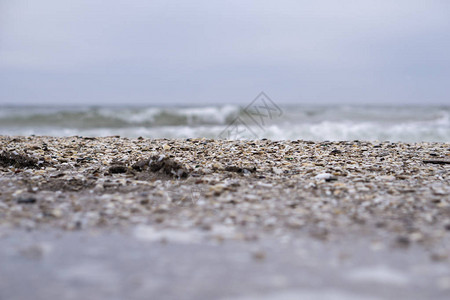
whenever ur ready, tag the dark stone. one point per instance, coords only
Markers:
(173, 168)
(141, 165)
(333, 178)
(57, 175)
(403, 241)
(335, 151)
(118, 169)
(84, 159)
(9, 159)
(437, 161)
(164, 164)
(57, 184)
(239, 169)
(26, 200)
(156, 163)
(380, 224)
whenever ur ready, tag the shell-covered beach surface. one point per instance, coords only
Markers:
(344, 218)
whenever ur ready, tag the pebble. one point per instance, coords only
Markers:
(256, 188)
(26, 200)
(325, 176)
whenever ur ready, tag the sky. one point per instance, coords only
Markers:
(213, 52)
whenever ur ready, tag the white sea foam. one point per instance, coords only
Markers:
(317, 123)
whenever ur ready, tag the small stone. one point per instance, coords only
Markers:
(8, 158)
(118, 169)
(335, 151)
(258, 255)
(295, 223)
(144, 201)
(217, 189)
(277, 171)
(386, 178)
(56, 213)
(325, 176)
(416, 237)
(439, 256)
(403, 241)
(26, 200)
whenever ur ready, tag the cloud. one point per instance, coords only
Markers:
(300, 50)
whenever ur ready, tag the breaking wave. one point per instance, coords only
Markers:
(318, 123)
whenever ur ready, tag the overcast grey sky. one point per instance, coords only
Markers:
(153, 52)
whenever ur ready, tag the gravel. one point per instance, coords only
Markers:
(394, 195)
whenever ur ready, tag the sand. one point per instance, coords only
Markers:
(392, 196)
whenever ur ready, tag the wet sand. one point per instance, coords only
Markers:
(381, 208)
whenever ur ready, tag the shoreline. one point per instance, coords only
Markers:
(200, 218)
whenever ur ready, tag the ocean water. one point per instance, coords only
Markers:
(263, 120)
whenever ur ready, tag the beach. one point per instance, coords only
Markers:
(345, 204)
(224, 150)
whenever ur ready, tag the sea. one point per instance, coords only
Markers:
(255, 121)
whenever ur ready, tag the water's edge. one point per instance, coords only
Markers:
(318, 123)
